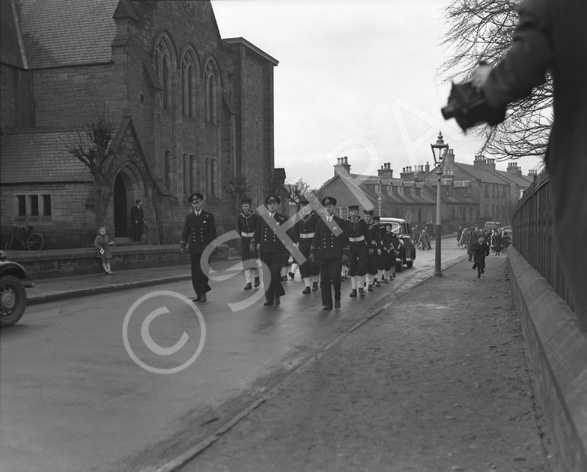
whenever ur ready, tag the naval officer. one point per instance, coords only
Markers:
(199, 231)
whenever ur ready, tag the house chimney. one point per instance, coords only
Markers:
(385, 172)
(514, 169)
(479, 160)
(490, 163)
(427, 168)
(342, 166)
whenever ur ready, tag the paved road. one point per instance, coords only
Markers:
(73, 399)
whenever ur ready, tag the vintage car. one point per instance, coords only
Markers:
(406, 250)
(13, 280)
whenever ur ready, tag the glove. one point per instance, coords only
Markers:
(370, 251)
(182, 249)
(252, 248)
(378, 252)
(312, 257)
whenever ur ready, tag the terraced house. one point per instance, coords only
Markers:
(190, 112)
(471, 194)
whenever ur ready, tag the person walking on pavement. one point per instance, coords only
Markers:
(246, 224)
(480, 249)
(373, 250)
(271, 250)
(472, 240)
(198, 232)
(304, 232)
(137, 220)
(381, 261)
(358, 234)
(550, 36)
(328, 246)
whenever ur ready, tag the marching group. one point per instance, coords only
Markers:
(325, 248)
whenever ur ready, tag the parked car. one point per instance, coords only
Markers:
(13, 297)
(406, 250)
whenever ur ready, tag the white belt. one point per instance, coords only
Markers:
(247, 235)
(307, 235)
(356, 240)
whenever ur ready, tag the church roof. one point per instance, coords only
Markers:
(10, 50)
(66, 32)
(40, 157)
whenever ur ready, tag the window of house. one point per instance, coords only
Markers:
(187, 171)
(21, 205)
(486, 190)
(454, 213)
(163, 69)
(492, 210)
(211, 95)
(47, 205)
(344, 213)
(167, 169)
(33, 205)
(193, 174)
(212, 176)
(188, 85)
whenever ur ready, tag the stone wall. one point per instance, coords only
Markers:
(62, 263)
(557, 351)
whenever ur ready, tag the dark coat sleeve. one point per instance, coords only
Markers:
(525, 64)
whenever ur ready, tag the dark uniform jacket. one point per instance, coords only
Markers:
(374, 236)
(358, 233)
(246, 226)
(326, 244)
(265, 235)
(305, 229)
(198, 231)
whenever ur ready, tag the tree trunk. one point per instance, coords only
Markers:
(102, 197)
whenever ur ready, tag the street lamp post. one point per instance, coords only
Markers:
(439, 150)
(379, 203)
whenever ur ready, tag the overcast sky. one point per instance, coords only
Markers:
(356, 78)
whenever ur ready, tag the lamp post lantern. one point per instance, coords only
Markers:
(379, 203)
(439, 150)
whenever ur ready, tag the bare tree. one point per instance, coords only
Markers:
(296, 191)
(481, 30)
(91, 145)
(238, 186)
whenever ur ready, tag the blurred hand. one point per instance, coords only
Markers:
(480, 75)
(182, 250)
(370, 251)
(378, 252)
(252, 248)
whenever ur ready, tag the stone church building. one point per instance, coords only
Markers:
(191, 111)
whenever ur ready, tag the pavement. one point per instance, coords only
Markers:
(435, 380)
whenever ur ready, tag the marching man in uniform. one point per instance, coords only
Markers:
(304, 231)
(358, 234)
(199, 231)
(374, 249)
(328, 245)
(271, 250)
(246, 224)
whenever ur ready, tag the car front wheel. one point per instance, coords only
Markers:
(12, 300)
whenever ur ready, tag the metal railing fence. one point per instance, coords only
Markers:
(534, 237)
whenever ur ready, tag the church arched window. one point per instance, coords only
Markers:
(188, 80)
(211, 94)
(163, 69)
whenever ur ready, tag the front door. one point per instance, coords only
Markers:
(120, 210)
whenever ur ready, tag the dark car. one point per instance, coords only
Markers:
(406, 249)
(13, 280)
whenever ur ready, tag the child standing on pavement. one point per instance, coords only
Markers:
(480, 249)
(102, 244)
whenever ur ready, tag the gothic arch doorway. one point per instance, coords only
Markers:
(120, 208)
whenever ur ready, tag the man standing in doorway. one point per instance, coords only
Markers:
(137, 220)
(199, 231)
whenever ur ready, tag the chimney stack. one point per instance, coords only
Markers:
(342, 163)
(386, 172)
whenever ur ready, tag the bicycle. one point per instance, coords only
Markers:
(30, 240)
